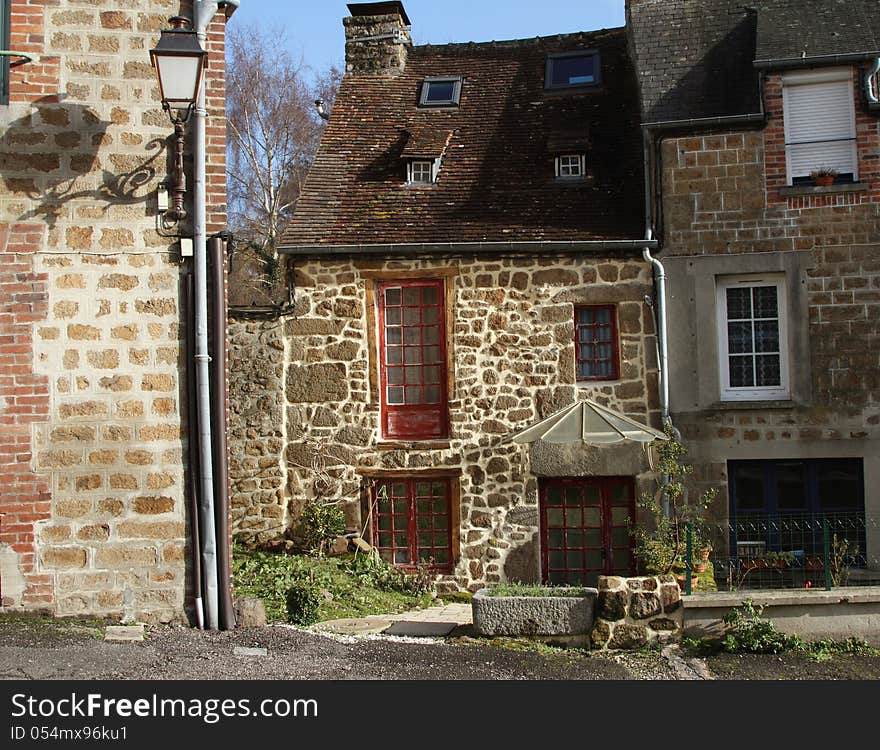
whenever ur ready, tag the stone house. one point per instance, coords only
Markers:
(466, 258)
(93, 458)
(774, 278)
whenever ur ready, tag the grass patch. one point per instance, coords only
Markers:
(524, 589)
(457, 597)
(49, 627)
(525, 644)
(269, 576)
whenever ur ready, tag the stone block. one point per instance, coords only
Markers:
(534, 615)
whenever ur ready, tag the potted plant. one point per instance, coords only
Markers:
(823, 176)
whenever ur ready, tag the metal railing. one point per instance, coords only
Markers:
(783, 551)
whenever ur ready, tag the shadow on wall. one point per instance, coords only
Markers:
(49, 157)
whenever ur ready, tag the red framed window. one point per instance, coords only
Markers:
(596, 342)
(586, 529)
(412, 361)
(412, 522)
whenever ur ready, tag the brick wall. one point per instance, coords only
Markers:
(725, 196)
(92, 368)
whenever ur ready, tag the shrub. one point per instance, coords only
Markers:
(303, 600)
(319, 525)
(749, 633)
(372, 570)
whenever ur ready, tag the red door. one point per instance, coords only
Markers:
(585, 529)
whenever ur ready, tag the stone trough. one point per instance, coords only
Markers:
(560, 619)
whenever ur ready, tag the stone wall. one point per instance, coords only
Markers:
(92, 448)
(634, 612)
(513, 360)
(727, 210)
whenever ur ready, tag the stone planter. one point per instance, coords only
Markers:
(549, 618)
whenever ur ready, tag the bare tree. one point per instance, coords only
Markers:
(273, 133)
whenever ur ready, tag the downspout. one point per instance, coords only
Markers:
(192, 475)
(870, 91)
(221, 506)
(204, 11)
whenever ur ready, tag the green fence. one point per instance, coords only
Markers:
(784, 552)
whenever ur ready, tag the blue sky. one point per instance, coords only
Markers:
(313, 28)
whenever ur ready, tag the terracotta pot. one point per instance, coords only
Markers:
(824, 180)
(700, 567)
(703, 554)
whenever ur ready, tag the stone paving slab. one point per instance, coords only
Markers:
(422, 629)
(124, 633)
(245, 651)
(355, 625)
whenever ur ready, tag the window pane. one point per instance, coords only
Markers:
(741, 372)
(431, 374)
(748, 481)
(572, 496)
(620, 537)
(839, 485)
(392, 316)
(413, 394)
(431, 334)
(393, 336)
(765, 302)
(574, 538)
(411, 336)
(767, 370)
(432, 394)
(574, 558)
(423, 489)
(739, 303)
(395, 375)
(411, 316)
(394, 355)
(392, 296)
(766, 336)
(554, 495)
(413, 375)
(432, 353)
(413, 355)
(411, 295)
(440, 91)
(791, 491)
(430, 314)
(591, 517)
(739, 338)
(557, 559)
(395, 395)
(572, 71)
(555, 517)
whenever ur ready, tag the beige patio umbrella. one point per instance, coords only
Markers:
(586, 422)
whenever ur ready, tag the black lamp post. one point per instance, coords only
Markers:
(179, 61)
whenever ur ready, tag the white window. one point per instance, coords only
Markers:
(440, 92)
(752, 338)
(820, 130)
(422, 171)
(570, 166)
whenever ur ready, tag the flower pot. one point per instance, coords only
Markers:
(824, 180)
(703, 554)
(700, 566)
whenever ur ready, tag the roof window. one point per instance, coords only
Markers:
(570, 69)
(440, 92)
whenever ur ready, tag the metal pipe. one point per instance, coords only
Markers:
(779, 63)
(705, 122)
(193, 456)
(221, 459)
(204, 11)
(405, 248)
(869, 83)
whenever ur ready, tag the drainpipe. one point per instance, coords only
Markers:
(204, 11)
(870, 91)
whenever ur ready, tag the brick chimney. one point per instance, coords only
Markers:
(377, 38)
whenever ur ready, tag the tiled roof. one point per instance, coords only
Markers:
(810, 28)
(496, 180)
(694, 58)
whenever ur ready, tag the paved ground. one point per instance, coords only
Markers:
(41, 648)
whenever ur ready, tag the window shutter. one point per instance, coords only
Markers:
(820, 127)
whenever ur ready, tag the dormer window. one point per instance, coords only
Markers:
(571, 166)
(422, 171)
(570, 69)
(440, 92)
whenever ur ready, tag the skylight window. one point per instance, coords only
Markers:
(570, 69)
(440, 92)
(422, 171)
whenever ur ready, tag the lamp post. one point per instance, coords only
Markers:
(179, 59)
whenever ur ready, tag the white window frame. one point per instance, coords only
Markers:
(452, 102)
(839, 76)
(572, 159)
(432, 165)
(752, 393)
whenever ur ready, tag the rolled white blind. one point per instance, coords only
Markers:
(819, 127)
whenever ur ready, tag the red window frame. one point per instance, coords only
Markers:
(583, 339)
(412, 522)
(583, 562)
(412, 359)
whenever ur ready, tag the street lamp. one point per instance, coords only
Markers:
(179, 61)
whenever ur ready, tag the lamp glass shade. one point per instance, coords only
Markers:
(178, 59)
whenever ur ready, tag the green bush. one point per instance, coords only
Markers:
(749, 633)
(372, 570)
(303, 599)
(319, 525)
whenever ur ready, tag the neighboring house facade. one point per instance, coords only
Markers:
(774, 279)
(466, 259)
(93, 459)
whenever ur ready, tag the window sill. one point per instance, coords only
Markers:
(413, 445)
(769, 404)
(796, 191)
(586, 181)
